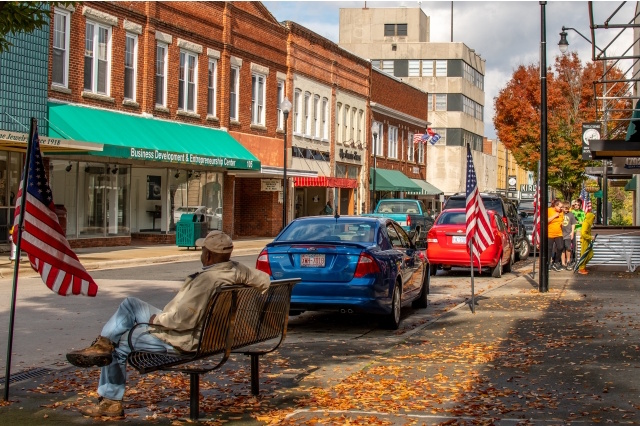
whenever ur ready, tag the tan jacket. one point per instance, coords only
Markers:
(181, 318)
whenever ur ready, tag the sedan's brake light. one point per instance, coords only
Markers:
(409, 221)
(262, 264)
(366, 265)
(432, 237)
(432, 240)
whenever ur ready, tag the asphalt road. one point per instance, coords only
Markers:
(47, 326)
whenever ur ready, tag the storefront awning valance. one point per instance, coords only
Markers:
(427, 188)
(325, 181)
(392, 180)
(608, 149)
(140, 138)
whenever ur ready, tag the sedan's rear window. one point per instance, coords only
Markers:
(489, 204)
(452, 218)
(329, 230)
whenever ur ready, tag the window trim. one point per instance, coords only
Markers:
(316, 116)
(185, 107)
(280, 98)
(67, 33)
(135, 65)
(258, 107)
(307, 113)
(212, 104)
(392, 142)
(325, 118)
(165, 59)
(94, 72)
(297, 106)
(410, 147)
(234, 91)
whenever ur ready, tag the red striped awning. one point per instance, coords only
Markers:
(325, 181)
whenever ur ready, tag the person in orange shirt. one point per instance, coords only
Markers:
(556, 243)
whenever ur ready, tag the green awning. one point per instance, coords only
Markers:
(150, 139)
(426, 188)
(631, 185)
(392, 180)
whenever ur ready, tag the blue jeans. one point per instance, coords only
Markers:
(131, 311)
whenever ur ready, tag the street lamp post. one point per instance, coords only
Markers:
(374, 133)
(543, 285)
(285, 106)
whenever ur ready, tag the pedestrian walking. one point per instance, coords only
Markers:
(568, 235)
(586, 250)
(554, 234)
(172, 330)
(578, 213)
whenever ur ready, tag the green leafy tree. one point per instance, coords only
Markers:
(23, 16)
(570, 102)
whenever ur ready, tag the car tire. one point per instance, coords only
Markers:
(392, 320)
(509, 265)
(421, 302)
(523, 253)
(433, 270)
(497, 271)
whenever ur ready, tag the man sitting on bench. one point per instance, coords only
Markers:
(177, 325)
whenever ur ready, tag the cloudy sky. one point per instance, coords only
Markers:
(505, 33)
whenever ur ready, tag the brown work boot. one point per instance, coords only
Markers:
(104, 408)
(98, 354)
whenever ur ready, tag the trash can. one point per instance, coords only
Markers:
(189, 228)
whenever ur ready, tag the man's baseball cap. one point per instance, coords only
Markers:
(216, 242)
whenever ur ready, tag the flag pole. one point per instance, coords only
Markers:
(16, 266)
(473, 302)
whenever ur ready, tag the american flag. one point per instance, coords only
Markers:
(419, 137)
(586, 200)
(535, 238)
(42, 238)
(479, 233)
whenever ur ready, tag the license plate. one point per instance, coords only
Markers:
(312, 260)
(402, 223)
(459, 239)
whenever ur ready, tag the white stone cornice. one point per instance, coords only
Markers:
(213, 53)
(259, 69)
(68, 8)
(382, 109)
(281, 75)
(163, 37)
(100, 17)
(187, 45)
(235, 61)
(132, 27)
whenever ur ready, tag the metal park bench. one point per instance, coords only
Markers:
(238, 319)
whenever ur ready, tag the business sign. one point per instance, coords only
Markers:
(589, 131)
(512, 183)
(271, 185)
(528, 188)
(631, 164)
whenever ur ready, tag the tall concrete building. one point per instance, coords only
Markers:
(397, 41)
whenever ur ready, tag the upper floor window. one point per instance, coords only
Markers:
(345, 124)
(161, 74)
(234, 85)
(97, 58)
(440, 100)
(414, 68)
(187, 81)
(279, 99)
(354, 124)
(395, 30)
(130, 66)
(316, 116)
(360, 125)
(392, 141)
(257, 98)
(411, 147)
(212, 76)
(427, 68)
(339, 123)
(420, 158)
(325, 118)
(297, 106)
(441, 68)
(307, 113)
(60, 72)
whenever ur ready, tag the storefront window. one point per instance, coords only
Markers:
(197, 192)
(99, 204)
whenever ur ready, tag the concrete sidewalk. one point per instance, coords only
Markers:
(569, 356)
(113, 257)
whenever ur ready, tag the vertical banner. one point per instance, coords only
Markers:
(589, 131)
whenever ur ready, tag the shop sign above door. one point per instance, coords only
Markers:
(270, 185)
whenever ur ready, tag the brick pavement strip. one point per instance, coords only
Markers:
(570, 355)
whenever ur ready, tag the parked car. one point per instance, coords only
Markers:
(447, 245)
(179, 211)
(407, 212)
(350, 264)
(527, 222)
(506, 209)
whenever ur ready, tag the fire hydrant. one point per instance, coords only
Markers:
(13, 246)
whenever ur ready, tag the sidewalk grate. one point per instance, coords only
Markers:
(27, 374)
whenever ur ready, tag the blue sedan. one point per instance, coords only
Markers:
(349, 264)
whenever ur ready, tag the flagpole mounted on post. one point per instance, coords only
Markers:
(473, 299)
(17, 231)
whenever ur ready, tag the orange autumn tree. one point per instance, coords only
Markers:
(570, 102)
